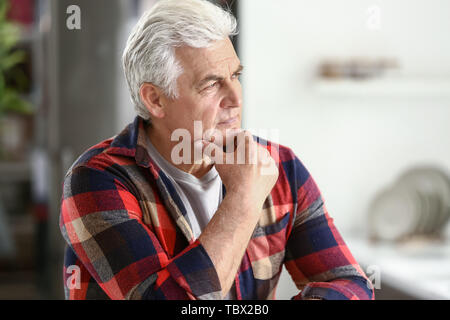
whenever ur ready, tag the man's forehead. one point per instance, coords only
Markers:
(200, 62)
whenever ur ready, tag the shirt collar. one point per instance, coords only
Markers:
(133, 142)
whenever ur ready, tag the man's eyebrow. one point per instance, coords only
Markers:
(213, 77)
(239, 69)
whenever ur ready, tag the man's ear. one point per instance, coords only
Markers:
(152, 98)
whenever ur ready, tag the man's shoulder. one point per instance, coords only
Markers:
(100, 157)
(91, 153)
(279, 152)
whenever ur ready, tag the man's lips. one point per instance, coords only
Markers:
(229, 121)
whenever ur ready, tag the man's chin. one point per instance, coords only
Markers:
(227, 134)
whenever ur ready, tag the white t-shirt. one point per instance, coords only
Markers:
(201, 197)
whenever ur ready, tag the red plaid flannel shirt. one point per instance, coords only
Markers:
(128, 236)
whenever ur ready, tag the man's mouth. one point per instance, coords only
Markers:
(229, 121)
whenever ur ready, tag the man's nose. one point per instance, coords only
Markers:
(233, 95)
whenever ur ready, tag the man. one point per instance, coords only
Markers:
(141, 225)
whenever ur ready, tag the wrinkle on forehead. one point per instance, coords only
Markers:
(197, 62)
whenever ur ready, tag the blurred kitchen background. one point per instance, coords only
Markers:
(360, 90)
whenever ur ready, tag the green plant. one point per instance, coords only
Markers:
(10, 57)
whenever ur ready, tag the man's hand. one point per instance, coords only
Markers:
(247, 169)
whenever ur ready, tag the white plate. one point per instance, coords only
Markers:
(434, 187)
(394, 213)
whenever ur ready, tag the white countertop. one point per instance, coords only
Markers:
(420, 268)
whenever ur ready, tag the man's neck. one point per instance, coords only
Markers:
(164, 145)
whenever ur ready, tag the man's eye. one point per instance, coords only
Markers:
(237, 75)
(212, 85)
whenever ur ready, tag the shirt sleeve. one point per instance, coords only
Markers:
(317, 257)
(100, 221)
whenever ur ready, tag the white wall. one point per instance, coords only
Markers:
(352, 145)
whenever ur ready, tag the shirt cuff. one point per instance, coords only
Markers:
(325, 291)
(194, 271)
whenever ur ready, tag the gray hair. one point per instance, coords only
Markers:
(149, 55)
